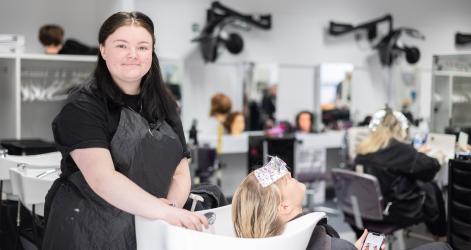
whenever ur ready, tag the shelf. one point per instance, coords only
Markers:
(44, 57)
(18, 73)
(450, 91)
(452, 73)
(8, 56)
(70, 58)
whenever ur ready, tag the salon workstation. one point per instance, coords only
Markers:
(233, 124)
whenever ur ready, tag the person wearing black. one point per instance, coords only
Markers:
(123, 148)
(405, 175)
(268, 106)
(51, 37)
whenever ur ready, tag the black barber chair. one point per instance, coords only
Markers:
(459, 204)
(204, 159)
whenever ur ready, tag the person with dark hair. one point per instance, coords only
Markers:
(51, 37)
(305, 122)
(123, 147)
(268, 105)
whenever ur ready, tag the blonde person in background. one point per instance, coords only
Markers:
(405, 175)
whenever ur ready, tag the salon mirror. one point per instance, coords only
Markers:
(335, 85)
(260, 83)
(172, 76)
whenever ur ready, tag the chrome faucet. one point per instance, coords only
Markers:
(21, 166)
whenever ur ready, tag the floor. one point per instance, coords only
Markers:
(346, 233)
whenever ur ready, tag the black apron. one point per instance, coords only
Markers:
(78, 218)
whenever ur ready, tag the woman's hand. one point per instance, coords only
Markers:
(424, 149)
(183, 218)
(361, 240)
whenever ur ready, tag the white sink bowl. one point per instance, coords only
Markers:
(31, 189)
(157, 234)
(48, 160)
(26, 186)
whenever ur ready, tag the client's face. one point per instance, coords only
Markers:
(293, 191)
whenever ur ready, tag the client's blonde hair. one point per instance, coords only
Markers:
(255, 209)
(389, 128)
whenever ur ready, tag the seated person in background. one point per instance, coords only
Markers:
(305, 122)
(268, 198)
(404, 174)
(235, 123)
(51, 37)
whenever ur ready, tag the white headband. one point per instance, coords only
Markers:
(271, 172)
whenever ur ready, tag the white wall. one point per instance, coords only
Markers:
(297, 36)
(202, 82)
(78, 18)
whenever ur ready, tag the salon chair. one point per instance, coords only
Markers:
(205, 164)
(360, 199)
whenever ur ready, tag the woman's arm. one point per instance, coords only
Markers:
(424, 167)
(181, 184)
(97, 167)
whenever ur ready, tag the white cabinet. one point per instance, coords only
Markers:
(451, 92)
(33, 89)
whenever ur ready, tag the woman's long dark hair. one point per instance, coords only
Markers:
(157, 103)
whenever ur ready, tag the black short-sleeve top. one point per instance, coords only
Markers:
(89, 120)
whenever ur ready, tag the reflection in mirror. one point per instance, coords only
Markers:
(406, 89)
(335, 94)
(260, 90)
(172, 76)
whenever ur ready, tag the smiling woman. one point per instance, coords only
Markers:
(124, 152)
(128, 56)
